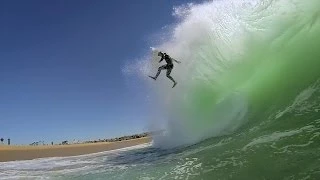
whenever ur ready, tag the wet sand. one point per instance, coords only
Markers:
(15, 153)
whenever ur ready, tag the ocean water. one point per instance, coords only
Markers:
(247, 103)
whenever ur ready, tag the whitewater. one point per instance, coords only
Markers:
(246, 106)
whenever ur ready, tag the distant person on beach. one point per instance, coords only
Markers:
(168, 67)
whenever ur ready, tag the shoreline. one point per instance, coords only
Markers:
(18, 153)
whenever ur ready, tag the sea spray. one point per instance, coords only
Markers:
(235, 58)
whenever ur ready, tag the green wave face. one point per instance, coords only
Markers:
(242, 62)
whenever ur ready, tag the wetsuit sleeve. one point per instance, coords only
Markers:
(176, 60)
(161, 59)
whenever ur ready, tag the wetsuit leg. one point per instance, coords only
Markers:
(159, 70)
(168, 75)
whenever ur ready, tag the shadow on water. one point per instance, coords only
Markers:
(152, 155)
(144, 156)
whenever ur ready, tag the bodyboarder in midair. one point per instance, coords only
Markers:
(168, 67)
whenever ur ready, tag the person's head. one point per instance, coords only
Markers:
(160, 53)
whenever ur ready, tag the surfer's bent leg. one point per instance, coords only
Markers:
(168, 75)
(159, 70)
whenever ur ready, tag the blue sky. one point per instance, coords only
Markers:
(61, 61)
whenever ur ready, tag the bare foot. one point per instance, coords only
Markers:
(174, 85)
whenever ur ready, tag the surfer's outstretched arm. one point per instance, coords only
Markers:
(177, 61)
(161, 59)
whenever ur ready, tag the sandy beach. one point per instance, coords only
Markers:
(15, 153)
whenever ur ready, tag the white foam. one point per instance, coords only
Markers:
(276, 136)
(298, 102)
(48, 164)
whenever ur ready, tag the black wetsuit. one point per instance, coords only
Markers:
(168, 67)
(168, 60)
